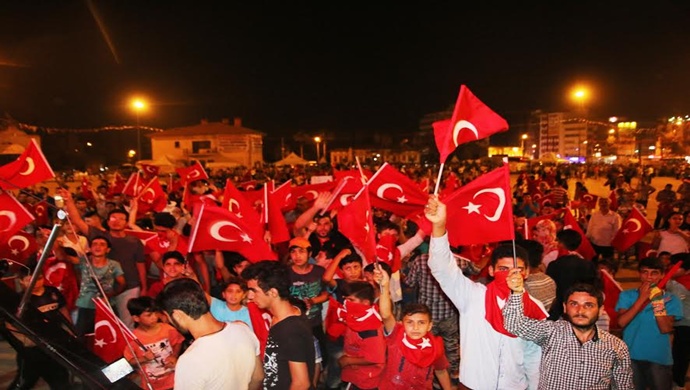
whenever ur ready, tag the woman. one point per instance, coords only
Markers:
(545, 234)
(672, 239)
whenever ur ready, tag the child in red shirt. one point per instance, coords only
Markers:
(413, 352)
(163, 344)
(364, 348)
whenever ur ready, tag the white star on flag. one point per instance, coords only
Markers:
(100, 343)
(402, 199)
(245, 237)
(15, 252)
(425, 343)
(472, 208)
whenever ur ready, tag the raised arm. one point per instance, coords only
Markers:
(333, 267)
(514, 319)
(308, 216)
(73, 212)
(385, 303)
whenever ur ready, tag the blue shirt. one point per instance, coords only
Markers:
(221, 312)
(642, 334)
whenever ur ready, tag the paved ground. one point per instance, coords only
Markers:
(627, 276)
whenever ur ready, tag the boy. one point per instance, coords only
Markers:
(364, 348)
(163, 344)
(231, 308)
(647, 326)
(412, 350)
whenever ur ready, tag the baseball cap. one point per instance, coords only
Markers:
(300, 242)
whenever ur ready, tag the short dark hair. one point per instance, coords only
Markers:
(535, 250)
(651, 263)
(173, 255)
(506, 250)
(585, 288)
(136, 306)
(385, 225)
(351, 258)
(270, 274)
(361, 290)
(415, 308)
(384, 266)
(165, 220)
(99, 237)
(91, 214)
(237, 281)
(119, 211)
(185, 295)
(571, 239)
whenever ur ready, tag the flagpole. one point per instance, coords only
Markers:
(438, 178)
(335, 194)
(361, 171)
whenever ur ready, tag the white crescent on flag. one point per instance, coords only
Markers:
(380, 192)
(345, 199)
(233, 202)
(11, 216)
(313, 194)
(501, 202)
(30, 167)
(635, 222)
(21, 239)
(112, 332)
(463, 124)
(215, 230)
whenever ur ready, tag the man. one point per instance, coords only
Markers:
(218, 357)
(127, 250)
(326, 242)
(569, 269)
(289, 360)
(680, 286)
(490, 357)
(575, 353)
(602, 227)
(646, 315)
(665, 200)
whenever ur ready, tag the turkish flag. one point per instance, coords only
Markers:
(356, 223)
(143, 235)
(481, 211)
(13, 216)
(283, 196)
(423, 184)
(632, 230)
(30, 168)
(248, 185)
(546, 200)
(590, 200)
(235, 202)
(613, 199)
(387, 252)
(40, 212)
(585, 248)
(261, 323)
(192, 173)
(110, 333)
(150, 170)
(532, 222)
(355, 173)
(472, 120)
(86, 188)
(612, 290)
(117, 186)
(218, 228)
(391, 190)
(18, 247)
(276, 220)
(361, 317)
(311, 191)
(151, 198)
(335, 319)
(451, 184)
(644, 250)
(134, 185)
(346, 189)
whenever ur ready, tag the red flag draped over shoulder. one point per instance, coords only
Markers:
(391, 190)
(481, 211)
(632, 230)
(356, 223)
(30, 168)
(218, 228)
(472, 120)
(13, 216)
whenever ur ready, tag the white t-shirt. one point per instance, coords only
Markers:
(224, 360)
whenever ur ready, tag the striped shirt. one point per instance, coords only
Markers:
(601, 363)
(429, 291)
(541, 287)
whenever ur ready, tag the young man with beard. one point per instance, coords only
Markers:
(218, 357)
(575, 353)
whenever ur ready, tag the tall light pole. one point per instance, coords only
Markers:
(317, 140)
(138, 106)
(524, 138)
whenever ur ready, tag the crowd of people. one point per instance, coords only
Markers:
(534, 313)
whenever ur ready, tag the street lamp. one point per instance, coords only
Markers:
(524, 138)
(580, 95)
(317, 140)
(138, 105)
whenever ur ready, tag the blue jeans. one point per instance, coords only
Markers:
(648, 375)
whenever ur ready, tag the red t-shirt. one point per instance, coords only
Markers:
(162, 344)
(369, 345)
(401, 374)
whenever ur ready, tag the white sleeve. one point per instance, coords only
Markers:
(459, 289)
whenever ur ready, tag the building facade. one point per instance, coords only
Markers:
(350, 155)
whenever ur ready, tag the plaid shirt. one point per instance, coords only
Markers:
(430, 292)
(600, 363)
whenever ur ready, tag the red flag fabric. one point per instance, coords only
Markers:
(340, 175)
(283, 196)
(117, 185)
(40, 212)
(150, 170)
(585, 249)
(387, 252)
(350, 187)
(261, 323)
(236, 202)
(613, 201)
(546, 200)
(13, 216)
(30, 168)
(335, 319)
(356, 223)
(192, 173)
(248, 185)
(86, 188)
(644, 249)
(110, 333)
(18, 247)
(276, 220)
(481, 211)
(498, 291)
(472, 120)
(452, 183)
(151, 198)
(311, 191)
(532, 222)
(632, 230)
(590, 200)
(218, 228)
(612, 290)
(361, 317)
(143, 235)
(134, 185)
(391, 190)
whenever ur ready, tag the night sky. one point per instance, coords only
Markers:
(342, 66)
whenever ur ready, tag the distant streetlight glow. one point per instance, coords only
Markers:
(131, 153)
(580, 94)
(138, 105)
(89, 144)
(317, 140)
